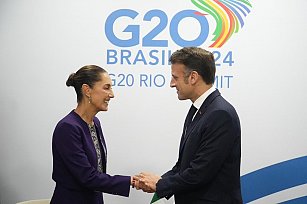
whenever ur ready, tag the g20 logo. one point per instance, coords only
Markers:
(149, 39)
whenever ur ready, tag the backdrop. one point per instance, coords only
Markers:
(261, 69)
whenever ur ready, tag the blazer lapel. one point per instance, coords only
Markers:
(199, 113)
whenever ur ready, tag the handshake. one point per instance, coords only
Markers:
(145, 181)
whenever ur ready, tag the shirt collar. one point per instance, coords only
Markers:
(203, 97)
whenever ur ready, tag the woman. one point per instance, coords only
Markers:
(78, 146)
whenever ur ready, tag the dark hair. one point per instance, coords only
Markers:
(88, 74)
(196, 59)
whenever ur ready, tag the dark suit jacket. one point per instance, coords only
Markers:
(208, 167)
(75, 165)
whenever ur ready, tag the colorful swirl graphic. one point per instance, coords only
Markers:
(228, 15)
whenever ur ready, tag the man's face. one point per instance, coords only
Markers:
(181, 81)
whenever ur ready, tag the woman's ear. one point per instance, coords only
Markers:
(86, 90)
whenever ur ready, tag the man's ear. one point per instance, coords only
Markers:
(194, 77)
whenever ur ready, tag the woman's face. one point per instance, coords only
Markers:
(102, 92)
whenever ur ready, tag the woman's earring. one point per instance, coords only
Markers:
(89, 99)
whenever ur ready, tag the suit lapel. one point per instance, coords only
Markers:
(199, 114)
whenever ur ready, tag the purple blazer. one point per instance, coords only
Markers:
(75, 165)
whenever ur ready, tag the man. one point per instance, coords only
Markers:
(208, 167)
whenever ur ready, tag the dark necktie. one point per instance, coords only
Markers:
(187, 123)
(190, 115)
